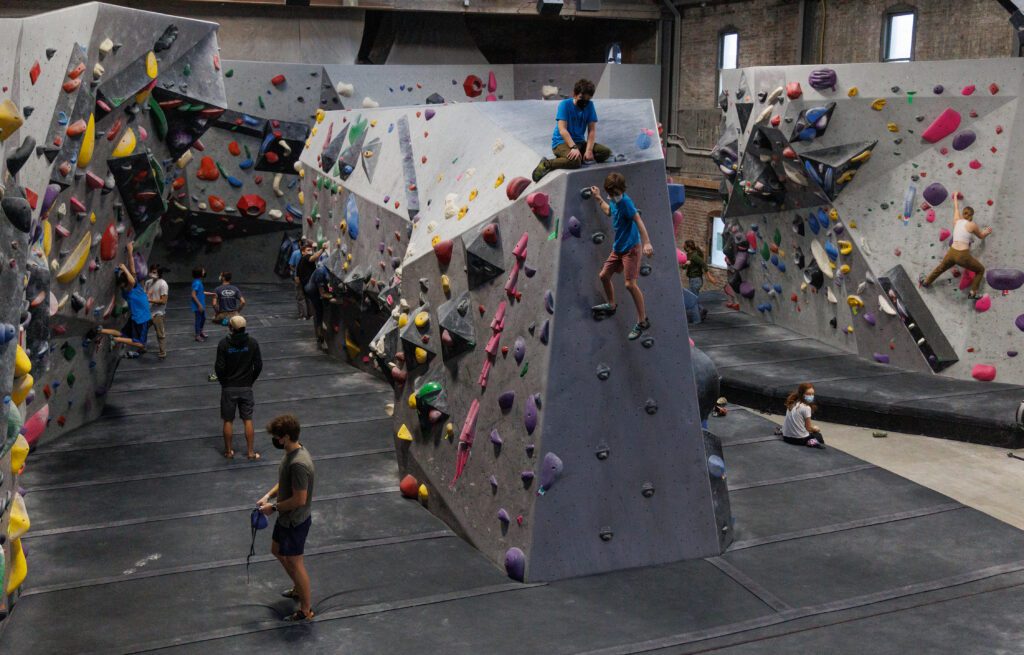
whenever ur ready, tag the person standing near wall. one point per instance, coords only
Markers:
(696, 268)
(574, 140)
(228, 300)
(318, 291)
(198, 302)
(156, 291)
(293, 264)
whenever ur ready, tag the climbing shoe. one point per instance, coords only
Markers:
(541, 170)
(920, 282)
(638, 329)
(604, 310)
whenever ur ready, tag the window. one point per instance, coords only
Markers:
(898, 41)
(728, 53)
(717, 259)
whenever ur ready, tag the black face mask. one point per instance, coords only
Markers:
(582, 104)
(279, 444)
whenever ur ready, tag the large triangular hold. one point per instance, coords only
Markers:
(743, 111)
(347, 159)
(485, 259)
(388, 297)
(812, 123)
(418, 351)
(726, 154)
(140, 180)
(385, 345)
(332, 149)
(834, 167)
(458, 335)
(370, 156)
(282, 143)
(187, 119)
(355, 281)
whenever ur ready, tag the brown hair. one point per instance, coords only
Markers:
(285, 425)
(615, 182)
(690, 244)
(798, 395)
(583, 87)
(968, 212)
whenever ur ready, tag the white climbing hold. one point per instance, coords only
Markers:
(275, 213)
(97, 71)
(450, 205)
(285, 147)
(370, 103)
(498, 146)
(763, 116)
(886, 306)
(549, 91)
(344, 89)
(775, 95)
(106, 46)
(277, 185)
(831, 296)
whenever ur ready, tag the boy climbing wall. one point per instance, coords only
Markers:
(630, 238)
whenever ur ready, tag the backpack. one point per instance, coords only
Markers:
(284, 252)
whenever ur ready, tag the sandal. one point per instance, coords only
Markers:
(299, 615)
(291, 593)
(229, 454)
(253, 457)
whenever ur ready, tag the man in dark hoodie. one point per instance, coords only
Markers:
(238, 365)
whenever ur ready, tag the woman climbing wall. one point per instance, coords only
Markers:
(959, 253)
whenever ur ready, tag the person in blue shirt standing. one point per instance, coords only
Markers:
(630, 238)
(199, 302)
(139, 317)
(293, 268)
(573, 141)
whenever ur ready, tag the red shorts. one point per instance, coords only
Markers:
(627, 262)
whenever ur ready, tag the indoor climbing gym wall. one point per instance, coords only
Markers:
(841, 185)
(486, 280)
(98, 102)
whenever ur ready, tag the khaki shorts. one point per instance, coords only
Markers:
(628, 263)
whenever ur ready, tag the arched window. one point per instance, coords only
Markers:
(728, 52)
(898, 33)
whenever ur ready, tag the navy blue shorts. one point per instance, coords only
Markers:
(291, 541)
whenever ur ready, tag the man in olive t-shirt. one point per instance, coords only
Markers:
(294, 494)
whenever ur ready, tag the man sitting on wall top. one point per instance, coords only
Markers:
(575, 133)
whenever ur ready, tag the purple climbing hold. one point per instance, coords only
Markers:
(550, 471)
(881, 359)
(503, 516)
(519, 350)
(935, 194)
(495, 437)
(823, 78)
(964, 140)
(1004, 279)
(506, 399)
(1019, 322)
(529, 270)
(938, 89)
(515, 564)
(549, 302)
(428, 114)
(49, 197)
(530, 415)
(494, 483)
(1011, 353)
(527, 477)
(869, 318)
(747, 289)
(544, 330)
(575, 227)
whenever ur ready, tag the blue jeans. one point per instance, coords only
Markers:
(692, 308)
(200, 316)
(696, 284)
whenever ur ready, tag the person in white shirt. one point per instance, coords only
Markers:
(959, 253)
(798, 429)
(156, 291)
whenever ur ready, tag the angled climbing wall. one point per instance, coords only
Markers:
(98, 102)
(544, 437)
(840, 186)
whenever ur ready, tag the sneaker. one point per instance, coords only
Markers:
(541, 170)
(814, 443)
(638, 329)
(212, 377)
(290, 593)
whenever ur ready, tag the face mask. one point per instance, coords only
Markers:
(582, 104)
(277, 443)
(809, 398)
(616, 198)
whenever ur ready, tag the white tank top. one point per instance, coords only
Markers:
(960, 234)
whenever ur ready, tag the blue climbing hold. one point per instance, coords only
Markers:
(716, 467)
(830, 250)
(352, 216)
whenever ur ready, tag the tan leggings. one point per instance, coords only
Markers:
(963, 259)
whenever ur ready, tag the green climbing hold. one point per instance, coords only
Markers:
(221, 169)
(554, 232)
(910, 97)
(71, 379)
(766, 252)
(260, 99)
(68, 351)
(357, 129)
(777, 237)
(247, 153)
(229, 72)
(187, 70)
(428, 392)
(526, 367)
(159, 118)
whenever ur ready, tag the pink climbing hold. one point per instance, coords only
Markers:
(930, 216)
(539, 204)
(492, 82)
(947, 123)
(515, 187)
(466, 439)
(968, 90)
(35, 425)
(983, 372)
(677, 220)
(793, 90)
(974, 164)
(966, 279)
(491, 98)
(680, 257)
(983, 304)
(944, 234)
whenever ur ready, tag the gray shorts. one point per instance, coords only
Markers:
(240, 397)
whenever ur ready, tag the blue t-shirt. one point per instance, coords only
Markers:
(320, 278)
(576, 122)
(138, 303)
(293, 260)
(197, 286)
(627, 234)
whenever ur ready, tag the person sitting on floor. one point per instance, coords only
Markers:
(798, 429)
(573, 141)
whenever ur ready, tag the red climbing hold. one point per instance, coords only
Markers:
(492, 82)
(252, 205)
(776, 120)
(277, 80)
(443, 250)
(77, 71)
(33, 72)
(71, 85)
(490, 233)
(993, 88)
(108, 243)
(473, 86)
(409, 486)
(271, 157)
(515, 187)
(793, 90)
(207, 169)
(983, 372)
(216, 204)
(234, 149)
(968, 90)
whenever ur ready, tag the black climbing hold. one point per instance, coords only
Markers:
(597, 238)
(50, 52)
(895, 89)
(645, 270)
(166, 39)
(586, 193)
(651, 406)
(832, 321)
(606, 534)
(529, 449)
(17, 210)
(18, 158)
(603, 371)
(647, 342)
(435, 99)
(27, 110)
(603, 452)
(647, 490)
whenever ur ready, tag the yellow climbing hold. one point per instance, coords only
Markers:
(373, 123)
(404, 434)
(47, 237)
(862, 157)
(302, 198)
(22, 385)
(846, 177)
(844, 269)
(879, 105)
(20, 522)
(845, 247)
(412, 401)
(88, 143)
(473, 194)
(462, 211)
(422, 319)
(10, 119)
(403, 320)
(853, 92)
(849, 329)
(126, 145)
(423, 494)
(19, 452)
(343, 226)
(436, 240)
(151, 67)
(449, 431)
(892, 127)
(22, 364)
(320, 113)
(498, 182)
(92, 217)
(76, 260)
(855, 302)
(351, 347)
(184, 160)
(853, 225)
(421, 356)
(446, 285)
(18, 569)
(833, 214)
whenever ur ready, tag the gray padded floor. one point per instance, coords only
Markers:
(140, 532)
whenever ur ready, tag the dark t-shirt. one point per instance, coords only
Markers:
(229, 297)
(304, 269)
(295, 474)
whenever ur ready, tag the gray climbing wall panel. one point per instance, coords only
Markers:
(931, 129)
(488, 340)
(98, 101)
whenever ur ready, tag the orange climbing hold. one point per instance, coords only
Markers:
(33, 72)
(207, 169)
(216, 204)
(278, 79)
(409, 487)
(234, 149)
